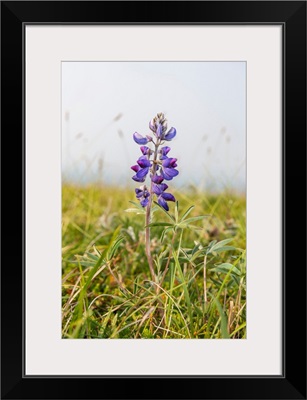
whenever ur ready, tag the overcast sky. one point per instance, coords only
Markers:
(104, 103)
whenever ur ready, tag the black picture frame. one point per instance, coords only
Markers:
(292, 16)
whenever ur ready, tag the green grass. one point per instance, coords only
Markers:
(107, 288)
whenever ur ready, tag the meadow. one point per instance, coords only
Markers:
(199, 254)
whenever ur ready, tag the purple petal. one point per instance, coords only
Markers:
(163, 186)
(135, 168)
(168, 197)
(139, 139)
(144, 162)
(163, 203)
(156, 189)
(137, 179)
(143, 172)
(144, 202)
(165, 150)
(173, 162)
(169, 173)
(139, 195)
(166, 161)
(159, 130)
(170, 134)
(157, 178)
(141, 175)
(159, 189)
(152, 125)
(169, 162)
(145, 150)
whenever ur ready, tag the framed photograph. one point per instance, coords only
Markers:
(163, 152)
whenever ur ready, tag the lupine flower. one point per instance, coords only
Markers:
(159, 190)
(139, 139)
(170, 134)
(145, 150)
(157, 179)
(168, 170)
(143, 195)
(164, 150)
(141, 169)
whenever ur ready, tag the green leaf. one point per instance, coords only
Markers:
(164, 233)
(84, 263)
(137, 205)
(165, 212)
(194, 227)
(238, 329)
(225, 268)
(92, 256)
(185, 287)
(114, 247)
(219, 244)
(224, 248)
(196, 248)
(176, 211)
(158, 224)
(224, 331)
(189, 220)
(187, 212)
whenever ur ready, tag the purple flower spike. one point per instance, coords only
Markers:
(155, 161)
(143, 195)
(170, 134)
(162, 196)
(139, 139)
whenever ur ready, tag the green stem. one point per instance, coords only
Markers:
(205, 280)
(167, 263)
(148, 217)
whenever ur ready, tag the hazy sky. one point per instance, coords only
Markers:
(104, 103)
